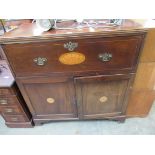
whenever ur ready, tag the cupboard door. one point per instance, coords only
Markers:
(102, 96)
(49, 98)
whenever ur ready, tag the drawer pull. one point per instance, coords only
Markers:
(50, 100)
(40, 61)
(103, 99)
(8, 110)
(70, 46)
(105, 57)
(14, 119)
(3, 102)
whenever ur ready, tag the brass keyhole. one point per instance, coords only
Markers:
(103, 99)
(50, 100)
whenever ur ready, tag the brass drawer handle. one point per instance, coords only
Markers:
(40, 61)
(14, 119)
(70, 46)
(8, 110)
(3, 102)
(104, 57)
(103, 99)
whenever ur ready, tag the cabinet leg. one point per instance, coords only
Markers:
(38, 124)
(121, 119)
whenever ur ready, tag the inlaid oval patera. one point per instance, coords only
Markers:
(50, 100)
(103, 99)
(72, 58)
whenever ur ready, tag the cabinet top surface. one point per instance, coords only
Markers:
(29, 32)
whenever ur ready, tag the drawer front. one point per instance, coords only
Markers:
(7, 91)
(13, 90)
(7, 100)
(11, 110)
(102, 54)
(15, 118)
(49, 98)
(102, 96)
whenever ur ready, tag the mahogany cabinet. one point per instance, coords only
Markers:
(71, 79)
(78, 74)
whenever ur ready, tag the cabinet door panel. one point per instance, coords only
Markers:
(50, 98)
(102, 96)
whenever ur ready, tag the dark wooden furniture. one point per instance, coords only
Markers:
(97, 86)
(12, 105)
(13, 109)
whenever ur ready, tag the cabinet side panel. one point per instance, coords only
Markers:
(148, 53)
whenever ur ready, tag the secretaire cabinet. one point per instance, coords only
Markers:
(76, 78)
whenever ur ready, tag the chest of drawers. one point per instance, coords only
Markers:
(13, 109)
(12, 105)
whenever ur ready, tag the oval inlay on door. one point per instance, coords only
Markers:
(50, 100)
(103, 99)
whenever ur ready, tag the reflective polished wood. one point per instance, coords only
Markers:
(148, 54)
(124, 51)
(27, 35)
(29, 32)
(143, 93)
(145, 77)
(140, 103)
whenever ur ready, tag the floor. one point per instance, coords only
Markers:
(134, 126)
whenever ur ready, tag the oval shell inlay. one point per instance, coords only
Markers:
(72, 58)
(50, 100)
(103, 99)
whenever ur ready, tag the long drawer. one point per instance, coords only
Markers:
(80, 55)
